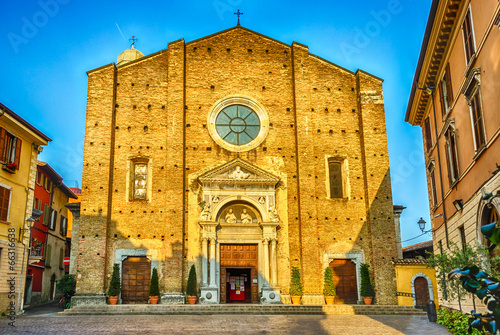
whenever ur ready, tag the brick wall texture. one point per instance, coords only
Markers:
(157, 108)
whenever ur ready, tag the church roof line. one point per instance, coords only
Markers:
(249, 30)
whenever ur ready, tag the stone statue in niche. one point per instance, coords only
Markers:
(273, 214)
(238, 174)
(205, 213)
(245, 217)
(230, 217)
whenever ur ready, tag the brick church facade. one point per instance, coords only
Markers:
(244, 156)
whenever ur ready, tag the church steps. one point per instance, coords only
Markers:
(242, 309)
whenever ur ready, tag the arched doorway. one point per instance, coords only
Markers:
(52, 286)
(136, 274)
(421, 292)
(344, 279)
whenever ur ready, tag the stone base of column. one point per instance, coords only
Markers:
(88, 299)
(172, 299)
(270, 295)
(313, 299)
(209, 295)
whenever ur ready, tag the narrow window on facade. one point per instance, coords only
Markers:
(477, 119)
(335, 176)
(53, 219)
(427, 132)
(48, 255)
(446, 91)
(63, 226)
(452, 155)
(10, 148)
(4, 203)
(468, 37)
(39, 178)
(463, 242)
(46, 214)
(432, 180)
(140, 180)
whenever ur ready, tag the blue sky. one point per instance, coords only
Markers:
(47, 46)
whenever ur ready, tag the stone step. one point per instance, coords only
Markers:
(242, 309)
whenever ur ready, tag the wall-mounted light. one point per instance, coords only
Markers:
(35, 216)
(459, 205)
(421, 224)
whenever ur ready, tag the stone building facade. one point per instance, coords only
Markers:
(244, 156)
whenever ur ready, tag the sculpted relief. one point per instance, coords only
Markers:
(238, 174)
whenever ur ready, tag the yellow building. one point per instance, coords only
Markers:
(20, 144)
(416, 282)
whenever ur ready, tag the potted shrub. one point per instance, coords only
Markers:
(367, 291)
(114, 286)
(296, 286)
(191, 290)
(154, 289)
(66, 285)
(328, 287)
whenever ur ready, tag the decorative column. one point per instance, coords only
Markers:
(209, 291)
(212, 262)
(274, 265)
(204, 261)
(265, 245)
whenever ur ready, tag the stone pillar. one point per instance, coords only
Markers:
(274, 266)
(204, 262)
(397, 222)
(265, 245)
(212, 262)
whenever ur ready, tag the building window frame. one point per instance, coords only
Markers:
(468, 37)
(10, 150)
(428, 134)
(477, 119)
(451, 150)
(135, 181)
(446, 91)
(5, 203)
(343, 177)
(63, 226)
(431, 169)
(53, 219)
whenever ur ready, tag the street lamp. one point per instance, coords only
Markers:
(421, 224)
(35, 216)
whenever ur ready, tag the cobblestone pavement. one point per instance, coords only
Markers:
(221, 324)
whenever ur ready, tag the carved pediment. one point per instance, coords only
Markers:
(238, 171)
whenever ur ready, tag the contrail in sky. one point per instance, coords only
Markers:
(120, 31)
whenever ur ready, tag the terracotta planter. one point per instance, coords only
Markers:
(113, 300)
(296, 300)
(330, 300)
(192, 300)
(368, 300)
(154, 300)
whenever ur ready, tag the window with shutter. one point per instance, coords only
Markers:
(477, 120)
(4, 203)
(427, 132)
(61, 256)
(48, 255)
(335, 175)
(432, 180)
(468, 37)
(3, 138)
(446, 91)
(46, 215)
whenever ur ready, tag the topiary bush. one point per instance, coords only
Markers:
(115, 286)
(366, 284)
(329, 287)
(154, 289)
(191, 290)
(296, 283)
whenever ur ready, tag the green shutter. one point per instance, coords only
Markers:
(46, 214)
(47, 255)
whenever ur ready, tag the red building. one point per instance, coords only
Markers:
(48, 245)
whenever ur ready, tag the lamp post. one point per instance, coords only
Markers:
(421, 224)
